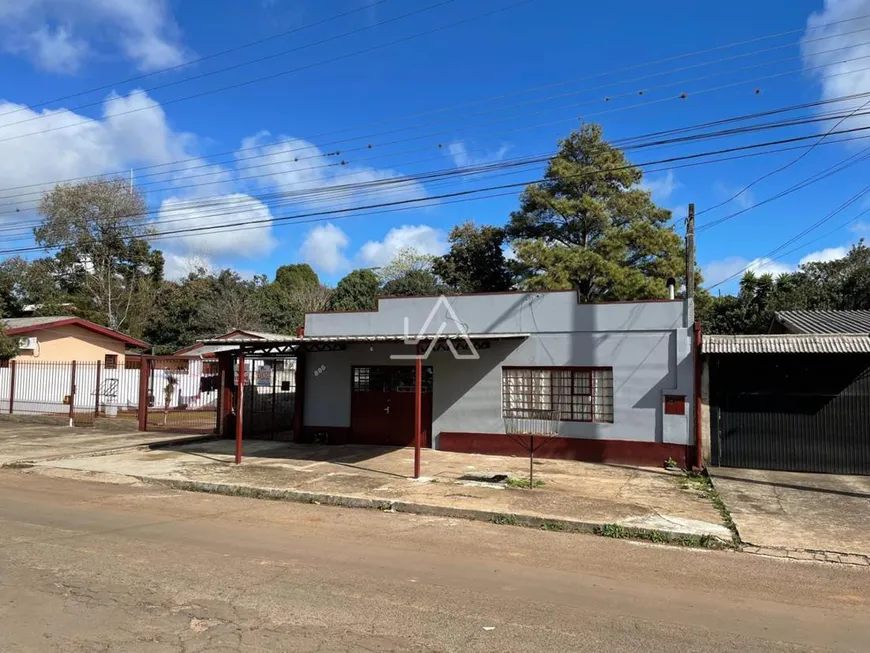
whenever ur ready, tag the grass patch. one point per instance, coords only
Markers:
(523, 483)
(702, 484)
(506, 520)
(658, 537)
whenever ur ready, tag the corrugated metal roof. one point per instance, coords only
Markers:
(283, 340)
(787, 343)
(825, 321)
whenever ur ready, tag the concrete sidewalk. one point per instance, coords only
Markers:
(798, 511)
(26, 441)
(574, 495)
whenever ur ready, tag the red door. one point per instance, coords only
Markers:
(382, 405)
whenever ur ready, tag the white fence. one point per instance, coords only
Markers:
(38, 387)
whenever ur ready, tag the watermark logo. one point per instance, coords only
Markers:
(425, 334)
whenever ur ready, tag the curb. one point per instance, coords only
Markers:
(25, 463)
(391, 505)
(809, 555)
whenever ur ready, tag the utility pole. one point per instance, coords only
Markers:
(690, 267)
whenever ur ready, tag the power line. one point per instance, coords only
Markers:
(253, 61)
(214, 55)
(232, 152)
(286, 72)
(635, 144)
(419, 137)
(247, 223)
(849, 202)
(787, 165)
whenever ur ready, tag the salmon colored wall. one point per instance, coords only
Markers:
(71, 343)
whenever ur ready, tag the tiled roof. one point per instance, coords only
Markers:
(825, 321)
(23, 325)
(24, 322)
(787, 343)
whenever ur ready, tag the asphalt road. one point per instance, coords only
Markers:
(99, 567)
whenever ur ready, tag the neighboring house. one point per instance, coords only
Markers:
(618, 376)
(65, 338)
(797, 399)
(202, 350)
(821, 322)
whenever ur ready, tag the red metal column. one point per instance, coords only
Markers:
(225, 394)
(418, 413)
(97, 391)
(299, 398)
(11, 385)
(240, 402)
(699, 459)
(72, 394)
(144, 373)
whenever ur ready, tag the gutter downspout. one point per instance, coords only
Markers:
(699, 459)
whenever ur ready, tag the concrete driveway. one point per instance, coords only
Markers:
(22, 441)
(796, 510)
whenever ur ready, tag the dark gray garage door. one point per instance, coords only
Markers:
(796, 412)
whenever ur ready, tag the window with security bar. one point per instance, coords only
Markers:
(579, 394)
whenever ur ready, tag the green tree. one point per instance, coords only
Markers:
(405, 260)
(296, 276)
(232, 303)
(588, 226)
(476, 260)
(296, 291)
(357, 291)
(176, 319)
(100, 229)
(413, 283)
(8, 344)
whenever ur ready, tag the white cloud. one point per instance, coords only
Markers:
(717, 271)
(253, 242)
(324, 248)
(56, 50)
(840, 67)
(178, 266)
(64, 145)
(826, 255)
(458, 151)
(661, 187)
(49, 31)
(422, 238)
(297, 166)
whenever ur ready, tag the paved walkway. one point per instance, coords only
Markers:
(591, 494)
(22, 441)
(781, 511)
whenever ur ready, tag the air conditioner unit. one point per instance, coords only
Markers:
(27, 343)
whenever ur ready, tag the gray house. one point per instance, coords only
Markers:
(616, 381)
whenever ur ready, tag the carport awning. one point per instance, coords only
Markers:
(787, 343)
(289, 344)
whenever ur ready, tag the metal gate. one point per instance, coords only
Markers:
(182, 395)
(792, 412)
(270, 398)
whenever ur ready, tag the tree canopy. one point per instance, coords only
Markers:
(476, 261)
(843, 284)
(590, 227)
(104, 259)
(357, 291)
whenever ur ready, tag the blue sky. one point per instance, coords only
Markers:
(507, 81)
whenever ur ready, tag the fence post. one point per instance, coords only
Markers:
(72, 394)
(144, 373)
(97, 391)
(11, 385)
